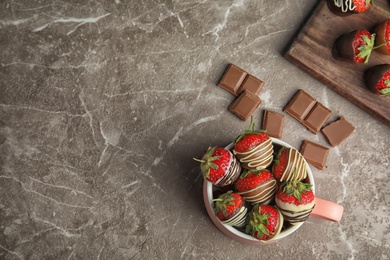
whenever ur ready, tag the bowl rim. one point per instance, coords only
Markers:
(235, 233)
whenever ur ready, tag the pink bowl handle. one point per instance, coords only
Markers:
(327, 210)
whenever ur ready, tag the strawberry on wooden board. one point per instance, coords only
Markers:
(289, 164)
(264, 222)
(256, 186)
(295, 200)
(254, 148)
(377, 79)
(362, 5)
(219, 166)
(382, 38)
(355, 46)
(230, 209)
(347, 7)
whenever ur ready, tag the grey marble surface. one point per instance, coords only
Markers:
(103, 104)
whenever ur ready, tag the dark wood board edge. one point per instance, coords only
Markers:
(295, 57)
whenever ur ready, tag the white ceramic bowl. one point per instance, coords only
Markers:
(236, 234)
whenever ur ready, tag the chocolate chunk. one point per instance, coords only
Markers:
(232, 79)
(273, 122)
(245, 105)
(251, 84)
(308, 111)
(314, 153)
(337, 131)
(300, 105)
(317, 117)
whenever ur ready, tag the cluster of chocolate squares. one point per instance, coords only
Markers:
(302, 107)
(244, 86)
(314, 115)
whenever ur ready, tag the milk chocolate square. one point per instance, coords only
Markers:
(314, 153)
(251, 84)
(338, 131)
(245, 105)
(232, 79)
(317, 117)
(300, 105)
(273, 122)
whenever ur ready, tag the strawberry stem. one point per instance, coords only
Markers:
(380, 45)
(198, 160)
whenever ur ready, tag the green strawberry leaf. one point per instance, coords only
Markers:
(213, 165)
(250, 130)
(387, 82)
(365, 50)
(385, 92)
(298, 195)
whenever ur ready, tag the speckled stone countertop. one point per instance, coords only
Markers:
(103, 105)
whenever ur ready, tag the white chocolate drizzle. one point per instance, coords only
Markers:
(345, 5)
(262, 194)
(293, 213)
(257, 158)
(238, 220)
(232, 173)
(296, 166)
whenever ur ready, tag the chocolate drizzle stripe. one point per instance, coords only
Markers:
(260, 157)
(296, 163)
(345, 5)
(265, 194)
(296, 216)
(237, 220)
(232, 174)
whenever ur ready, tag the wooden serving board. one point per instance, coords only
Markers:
(311, 50)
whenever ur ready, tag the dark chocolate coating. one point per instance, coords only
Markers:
(374, 74)
(380, 31)
(343, 47)
(336, 10)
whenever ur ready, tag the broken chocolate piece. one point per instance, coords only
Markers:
(273, 123)
(245, 105)
(317, 117)
(251, 84)
(232, 79)
(314, 153)
(338, 131)
(300, 105)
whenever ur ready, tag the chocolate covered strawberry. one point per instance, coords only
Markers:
(289, 164)
(295, 200)
(382, 38)
(254, 148)
(346, 7)
(264, 222)
(256, 186)
(219, 166)
(377, 79)
(355, 46)
(230, 209)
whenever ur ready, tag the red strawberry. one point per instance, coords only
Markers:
(362, 5)
(355, 46)
(264, 222)
(254, 148)
(382, 38)
(219, 166)
(289, 164)
(249, 140)
(377, 79)
(256, 186)
(295, 200)
(227, 205)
